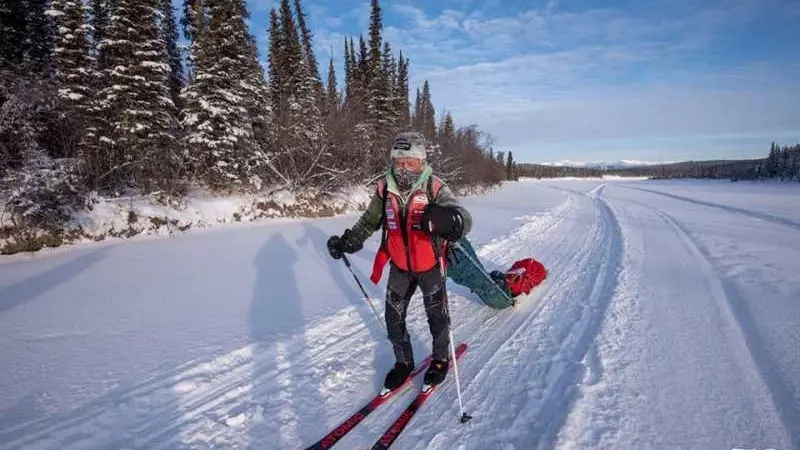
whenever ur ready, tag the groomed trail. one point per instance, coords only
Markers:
(668, 321)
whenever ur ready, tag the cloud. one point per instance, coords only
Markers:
(570, 77)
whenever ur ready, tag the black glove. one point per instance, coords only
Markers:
(338, 246)
(443, 221)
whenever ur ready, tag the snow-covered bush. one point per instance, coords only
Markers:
(43, 194)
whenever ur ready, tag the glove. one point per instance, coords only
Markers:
(347, 243)
(443, 221)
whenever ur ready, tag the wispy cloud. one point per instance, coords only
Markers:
(549, 72)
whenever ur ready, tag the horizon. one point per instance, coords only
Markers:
(618, 79)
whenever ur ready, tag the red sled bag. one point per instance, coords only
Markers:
(524, 275)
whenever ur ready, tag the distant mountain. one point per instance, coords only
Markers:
(621, 164)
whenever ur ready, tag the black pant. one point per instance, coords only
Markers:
(401, 286)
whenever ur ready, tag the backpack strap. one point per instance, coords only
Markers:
(434, 186)
(383, 191)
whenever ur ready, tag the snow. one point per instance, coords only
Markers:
(669, 320)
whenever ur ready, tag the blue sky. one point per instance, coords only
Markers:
(593, 80)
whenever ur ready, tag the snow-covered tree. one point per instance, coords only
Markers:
(137, 137)
(13, 25)
(39, 38)
(100, 15)
(401, 101)
(301, 137)
(225, 101)
(74, 76)
(332, 93)
(169, 33)
(424, 119)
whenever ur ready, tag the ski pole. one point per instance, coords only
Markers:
(363, 291)
(464, 417)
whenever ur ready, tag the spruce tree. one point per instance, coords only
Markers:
(428, 119)
(307, 37)
(40, 36)
(349, 65)
(386, 106)
(73, 74)
(416, 118)
(13, 29)
(100, 16)
(300, 134)
(772, 161)
(140, 115)
(225, 102)
(169, 34)
(332, 94)
(401, 101)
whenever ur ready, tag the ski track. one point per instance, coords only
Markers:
(731, 209)
(732, 302)
(215, 398)
(487, 331)
(545, 346)
(538, 348)
(213, 391)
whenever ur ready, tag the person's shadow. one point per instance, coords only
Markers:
(279, 342)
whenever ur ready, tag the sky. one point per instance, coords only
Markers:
(598, 80)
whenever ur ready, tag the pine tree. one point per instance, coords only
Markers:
(100, 16)
(332, 95)
(13, 29)
(307, 46)
(401, 100)
(416, 118)
(300, 134)
(140, 126)
(225, 104)
(40, 36)
(387, 112)
(349, 68)
(72, 65)
(362, 74)
(169, 34)
(772, 161)
(193, 18)
(275, 60)
(510, 167)
(428, 113)
(374, 76)
(375, 39)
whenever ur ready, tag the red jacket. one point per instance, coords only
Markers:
(405, 243)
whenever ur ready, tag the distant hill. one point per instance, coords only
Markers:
(733, 169)
(782, 162)
(621, 164)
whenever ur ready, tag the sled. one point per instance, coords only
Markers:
(497, 289)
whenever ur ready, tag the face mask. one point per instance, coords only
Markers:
(405, 178)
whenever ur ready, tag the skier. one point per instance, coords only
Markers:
(418, 214)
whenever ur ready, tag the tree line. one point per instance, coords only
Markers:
(98, 96)
(782, 163)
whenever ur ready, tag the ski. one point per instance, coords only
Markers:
(382, 397)
(402, 420)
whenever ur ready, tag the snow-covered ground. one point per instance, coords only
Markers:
(669, 320)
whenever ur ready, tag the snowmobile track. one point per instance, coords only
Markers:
(557, 403)
(541, 349)
(731, 301)
(731, 209)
